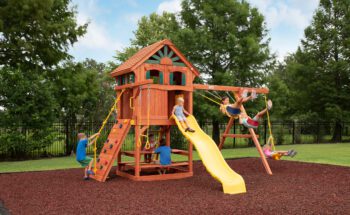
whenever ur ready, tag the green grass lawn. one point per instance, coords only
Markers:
(337, 154)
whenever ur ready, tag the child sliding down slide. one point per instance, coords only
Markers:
(248, 122)
(179, 111)
(276, 155)
(233, 110)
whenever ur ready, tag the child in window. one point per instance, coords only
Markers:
(179, 111)
(152, 142)
(233, 110)
(276, 155)
(85, 161)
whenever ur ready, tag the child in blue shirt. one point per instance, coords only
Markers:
(164, 152)
(85, 161)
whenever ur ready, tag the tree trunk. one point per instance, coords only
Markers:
(216, 131)
(337, 136)
(66, 131)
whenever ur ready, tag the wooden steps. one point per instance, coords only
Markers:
(111, 148)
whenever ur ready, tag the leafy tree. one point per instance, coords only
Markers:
(318, 74)
(34, 38)
(27, 110)
(150, 30)
(227, 41)
(36, 33)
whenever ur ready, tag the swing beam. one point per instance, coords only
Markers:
(228, 88)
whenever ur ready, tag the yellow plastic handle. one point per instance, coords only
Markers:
(131, 103)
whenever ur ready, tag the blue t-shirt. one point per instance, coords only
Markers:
(165, 154)
(81, 149)
(179, 111)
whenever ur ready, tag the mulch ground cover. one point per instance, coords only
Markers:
(295, 188)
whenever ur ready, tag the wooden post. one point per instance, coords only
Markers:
(190, 99)
(227, 131)
(258, 147)
(137, 151)
(119, 158)
(256, 142)
(167, 136)
(190, 157)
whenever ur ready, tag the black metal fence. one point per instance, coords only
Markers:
(63, 137)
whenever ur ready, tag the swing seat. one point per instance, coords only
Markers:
(252, 122)
(233, 111)
(276, 156)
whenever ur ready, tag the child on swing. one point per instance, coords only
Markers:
(233, 110)
(179, 111)
(249, 122)
(276, 155)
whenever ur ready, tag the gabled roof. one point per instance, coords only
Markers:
(145, 53)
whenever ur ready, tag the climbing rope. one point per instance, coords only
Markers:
(228, 94)
(214, 95)
(271, 139)
(113, 108)
(147, 144)
(210, 99)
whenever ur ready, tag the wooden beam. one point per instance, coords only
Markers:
(228, 88)
(163, 177)
(171, 87)
(147, 166)
(125, 86)
(180, 152)
(239, 135)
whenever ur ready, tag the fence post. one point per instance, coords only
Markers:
(265, 131)
(293, 133)
(318, 132)
(234, 132)
(67, 136)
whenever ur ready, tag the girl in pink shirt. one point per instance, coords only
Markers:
(276, 155)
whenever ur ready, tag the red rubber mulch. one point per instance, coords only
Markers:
(295, 188)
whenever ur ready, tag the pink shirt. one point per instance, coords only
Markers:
(267, 152)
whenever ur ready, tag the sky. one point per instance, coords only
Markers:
(112, 22)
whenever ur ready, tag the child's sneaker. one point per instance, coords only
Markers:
(244, 93)
(294, 153)
(269, 104)
(90, 172)
(290, 152)
(86, 178)
(253, 94)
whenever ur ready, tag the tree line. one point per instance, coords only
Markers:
(227, 41)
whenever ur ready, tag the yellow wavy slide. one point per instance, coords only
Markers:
(212, 158)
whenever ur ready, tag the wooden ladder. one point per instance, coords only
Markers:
(111, 149)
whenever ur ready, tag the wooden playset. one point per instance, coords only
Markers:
(147, 87)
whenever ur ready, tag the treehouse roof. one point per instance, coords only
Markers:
(145, 55)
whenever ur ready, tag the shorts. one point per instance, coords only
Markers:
(85, 162)
(246, 124)
(181, 118)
